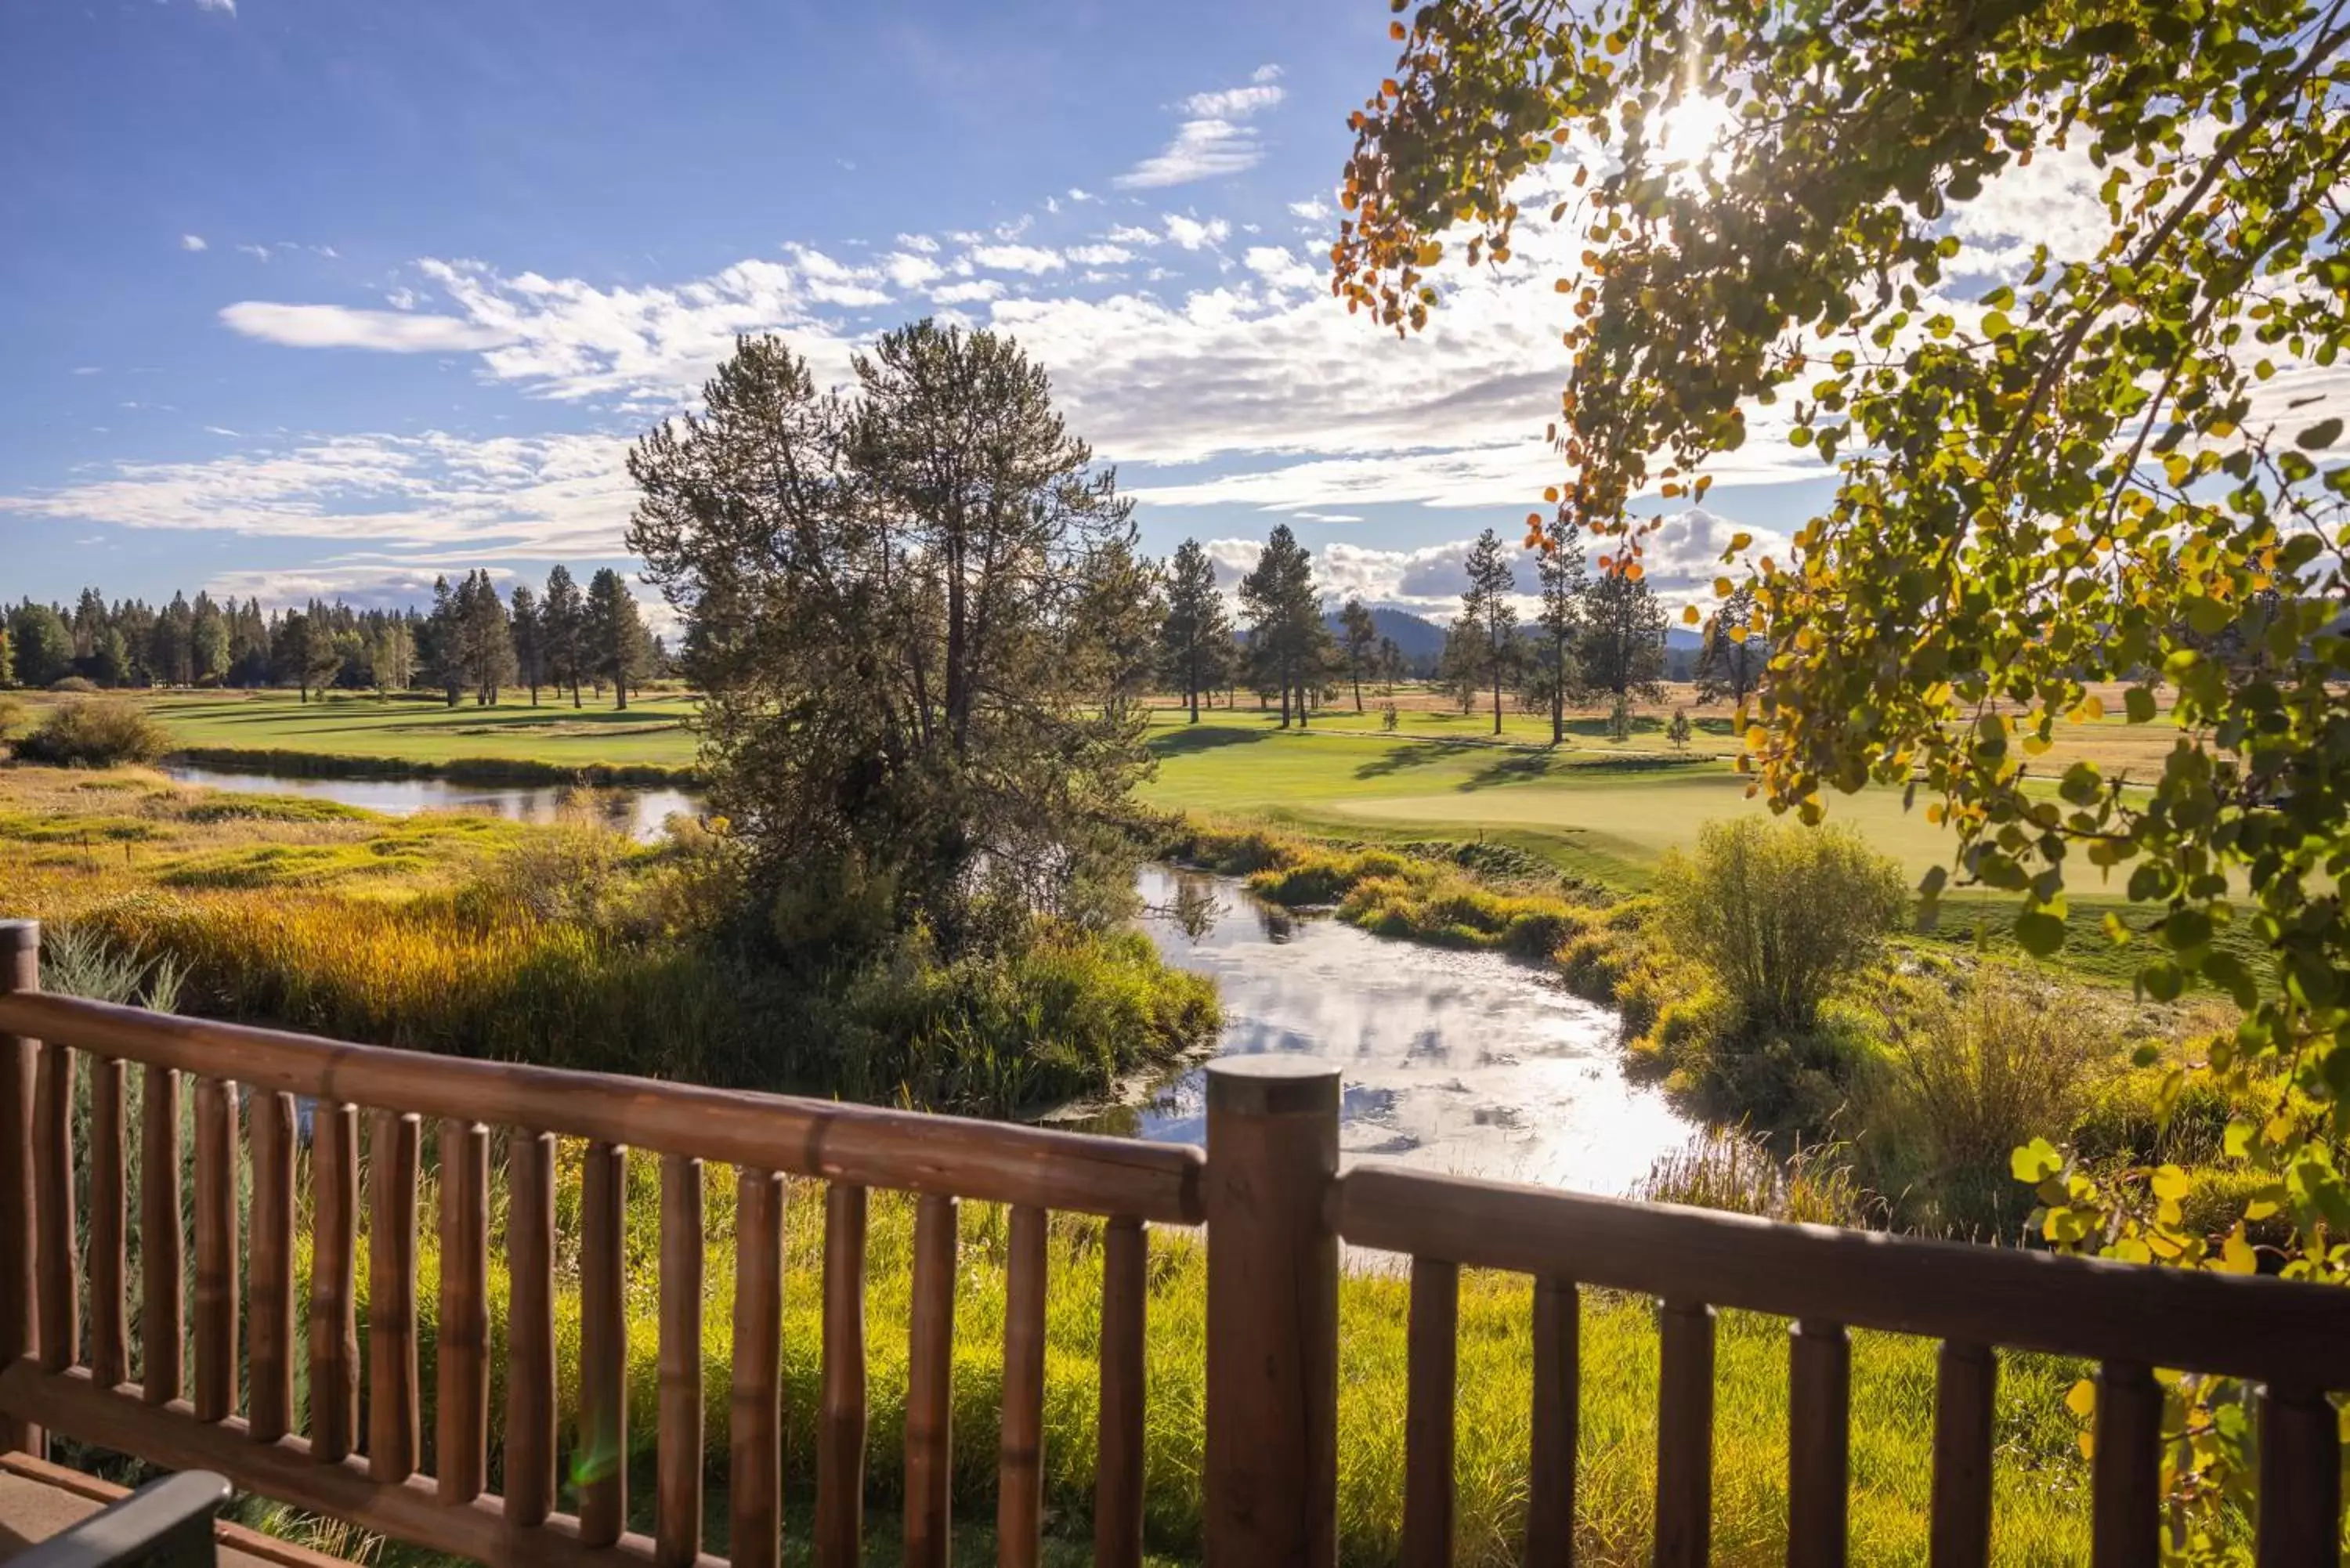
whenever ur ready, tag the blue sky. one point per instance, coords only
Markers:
(316, 296)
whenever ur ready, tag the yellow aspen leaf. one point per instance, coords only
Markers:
(2236, 1255)
(1427, 253)
(2170, 1184)
(1550, 494)
(1633, 571)
(1721, 587)
(1739, 541)
(2082, 1398)
(1688, 615)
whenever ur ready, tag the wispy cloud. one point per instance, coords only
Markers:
(341, 327)
(1017, 258)
(193, 243)
(225, 7)
(1215, 138)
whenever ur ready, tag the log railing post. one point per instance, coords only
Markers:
(20, 970)
(1272, 1476)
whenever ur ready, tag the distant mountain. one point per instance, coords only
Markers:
(1422, 639)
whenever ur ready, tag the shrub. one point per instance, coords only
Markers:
(13, 714)
(78, 684)
(1988, 1067)
(1780, 914)
(96, 734)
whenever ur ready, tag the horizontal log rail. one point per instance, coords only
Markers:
(864, 1146)
(2019, 1300)
(1269, 1189)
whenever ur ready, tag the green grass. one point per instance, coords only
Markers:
(652, 734)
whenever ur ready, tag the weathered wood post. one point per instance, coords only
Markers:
(1271, 1490)
(20, 970)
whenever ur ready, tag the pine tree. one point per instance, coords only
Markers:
(1358, 642)
(1623, 646)
(616, 644)
(1731, 664)
(1489, 622)
(1288, 644)
(529, 641)
(1196, 638)
(1560, 621)
(563, 615)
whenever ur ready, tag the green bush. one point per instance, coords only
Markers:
(96, 734)
(1780, 914)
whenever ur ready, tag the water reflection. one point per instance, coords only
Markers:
(1468, 1063)
(639, 813)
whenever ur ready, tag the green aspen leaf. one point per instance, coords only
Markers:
(2319, 436)
(2137, 702)
(2039, 934)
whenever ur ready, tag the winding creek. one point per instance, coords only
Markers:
(1471, 1064)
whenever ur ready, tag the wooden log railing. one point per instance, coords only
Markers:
(1269, 1190)
(66, 1352)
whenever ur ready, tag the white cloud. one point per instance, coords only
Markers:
(1129, 235)
(539, 497)
(922, 243)
(225, 7)
(1314, 209)
(402, 299)
(259, 252)
(88, 369)
(1216, 139)
(1077, 193)
(909, 270)
(339, 327)
(972, 293)
(830, 282)
(1100, 255)
(193, 243)
(1280, 269)
(1194, 234)
(1232, 103)
(1017, 258)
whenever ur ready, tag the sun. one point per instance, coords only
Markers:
(1690, 137)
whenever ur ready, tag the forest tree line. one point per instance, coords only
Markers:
(473, 643)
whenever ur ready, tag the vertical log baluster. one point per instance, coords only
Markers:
(2126, 1469)
(20, 970)
(1020, 1456)
(2301, 1480)
(677, 1518)
(1958, 1535)
(602, 1448)
(162, 1239)
(929, 1393)
(530, 1328)
(462, 1359)
(334, 1302)
(1118, 1468)
(755, 1402)
(1558, 1398)
(392, 1149)
(1819, 1465)
(1685, 1436)
(1270, 1486)
(840, 1429)
(1431, 1385)
(269, 1317)
(109, 1329)
(57, 1268)
(216, 1250)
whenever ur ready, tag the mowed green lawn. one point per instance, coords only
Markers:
(1610, 810)
(654, 729)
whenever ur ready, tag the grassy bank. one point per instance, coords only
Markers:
(562, 945)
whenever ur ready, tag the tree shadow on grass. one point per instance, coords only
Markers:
(1202, 737)
(1409, 754)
